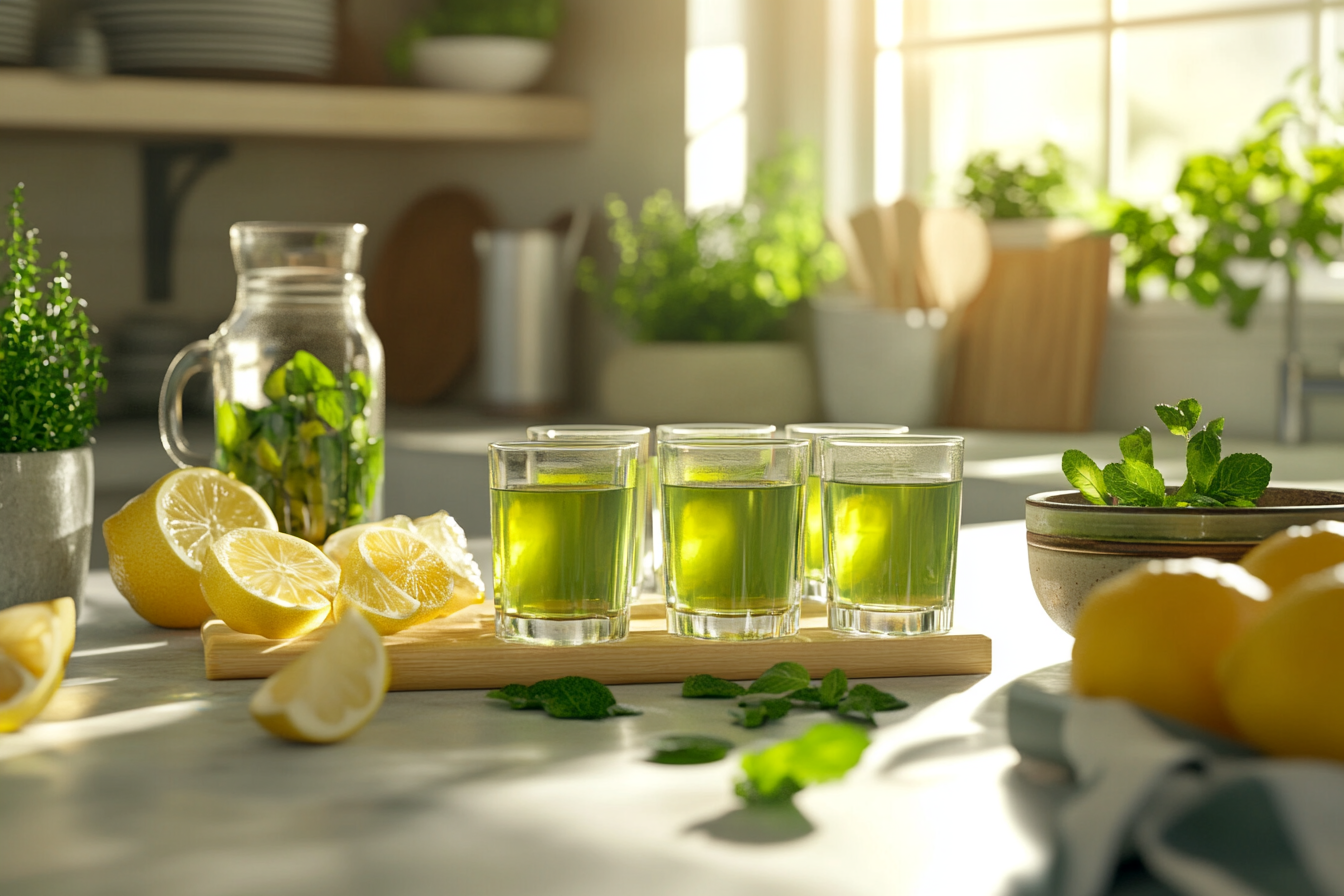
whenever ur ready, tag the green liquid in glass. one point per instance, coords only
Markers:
(892, 546)
(814, 565)
(562, 551)
(731, 547)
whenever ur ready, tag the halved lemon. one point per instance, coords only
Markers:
(338, 545)
(328, 693)
(396, 580)
(157, 542)
(35, 644)
(268, 583)
(445, 535)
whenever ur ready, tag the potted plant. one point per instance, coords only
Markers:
(49, 380)
(493, 46)
(1027, 205)
(1125, 513)
(706, 298)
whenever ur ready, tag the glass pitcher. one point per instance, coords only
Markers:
(298, 377)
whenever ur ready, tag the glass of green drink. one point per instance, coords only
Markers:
(891, 513)
(733, 536)
(814, 569)
(598, 432)
(667, 431)
(562, 526)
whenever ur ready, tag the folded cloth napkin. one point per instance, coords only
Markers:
(1203, 815)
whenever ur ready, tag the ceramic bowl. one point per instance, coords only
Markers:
(480, 62)
(1072, 545)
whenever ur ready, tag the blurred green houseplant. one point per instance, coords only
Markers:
(1037, 187)
(49, 371)
(721, 275)
(536, 19)
(1275, 199)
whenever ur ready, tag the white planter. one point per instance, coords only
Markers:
(482, 63)
(683, 382)
(1034, 233)
(876, 363)
(46, 517)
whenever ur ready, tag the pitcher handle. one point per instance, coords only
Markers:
(189, 362)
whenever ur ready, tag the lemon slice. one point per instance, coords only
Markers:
(445, 535)
(267, 583)
(328, 693)
(395, 579)
(157, 542)
(339, 544)
(35, 644)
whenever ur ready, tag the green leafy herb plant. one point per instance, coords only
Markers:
(721, 275)
(571, 697)
(1211, 480)
(824, 753)
(1033, 188)
(534, 19)
(309, 453)
(785, 686)
(49, 371)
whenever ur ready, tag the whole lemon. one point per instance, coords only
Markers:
(1155, 633)
(1284, 557)
(1283, 681)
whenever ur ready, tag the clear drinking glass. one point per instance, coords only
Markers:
(583, 432)
(891, 512)
(814, 568)
(562, 526)
(298, 377)
(732, 536)
(666, 431)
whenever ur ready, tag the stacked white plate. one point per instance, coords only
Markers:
(294, 37)
(17, 18)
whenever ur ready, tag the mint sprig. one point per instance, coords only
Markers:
(824, 753)
(792, 681)
(571, 697)
(1211, 480)
(689, 749)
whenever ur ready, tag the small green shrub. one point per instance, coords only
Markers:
(1034, 188)
(49, 372)
(538, 19)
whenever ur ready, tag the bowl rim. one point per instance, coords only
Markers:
(1049, 501)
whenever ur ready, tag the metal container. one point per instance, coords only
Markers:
(526, 278)
(46, 517)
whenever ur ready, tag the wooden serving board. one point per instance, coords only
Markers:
(463, 652)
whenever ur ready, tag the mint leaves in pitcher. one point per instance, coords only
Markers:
(1211, 480)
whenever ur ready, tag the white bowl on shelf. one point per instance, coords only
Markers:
(489, 64)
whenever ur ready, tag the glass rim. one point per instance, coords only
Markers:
(575, 428)
(748, 430)
(299, 227)
(563, 445)
(757, 443)
(894, 440)
(840, 429)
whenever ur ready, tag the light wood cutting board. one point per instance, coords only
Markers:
(463, 652)
(424, 298)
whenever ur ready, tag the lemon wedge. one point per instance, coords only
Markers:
(268, 583)
(328, 693)
(339, 544)
(396, 580)
(35, 644)
(445, 535)
(157, 542)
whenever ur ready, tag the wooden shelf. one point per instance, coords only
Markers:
(42, 100)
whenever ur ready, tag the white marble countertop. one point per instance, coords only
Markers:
(143, 778)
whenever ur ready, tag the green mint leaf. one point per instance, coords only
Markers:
(689, 749)
(833, 688)
(1201, 458)
(330, 405)
(1185, 492)
(750, 717)
(1138, 446)
(362, 384)
(698, 686)
(622, 709)
(864, 700)
(1135, 484)
(781, 678)
(754, 715)
(1241, 502)
(312, 372)
(824, 753)
(516, 695)
(807, 695)
(1191, 409)
(1204, 501)
(274, 388)
(1240, 476)
(571, 697)
(1216, 427)
(1174, 418)
(1084, 475)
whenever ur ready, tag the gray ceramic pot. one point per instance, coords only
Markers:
(46, 517)
(1073, 545)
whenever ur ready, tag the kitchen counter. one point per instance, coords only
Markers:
(143, 778)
